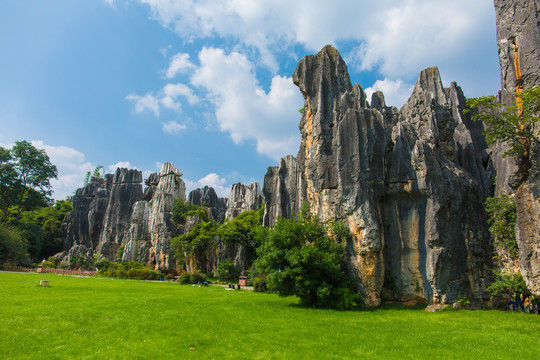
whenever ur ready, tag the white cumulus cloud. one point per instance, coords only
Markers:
(172, 127)
(396, 92)
(121, 164)
(402, 37)
(179, 63)
(167, 97)
(146, 102)
(244, 109)
(212, 180)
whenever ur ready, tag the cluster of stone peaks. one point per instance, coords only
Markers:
(409, 183)
(114, 213)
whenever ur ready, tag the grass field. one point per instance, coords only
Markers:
(96, 318)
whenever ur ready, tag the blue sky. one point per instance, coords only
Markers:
(207, 85)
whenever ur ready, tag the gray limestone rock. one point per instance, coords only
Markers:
(281, 191)
(243, 198)
(151, 225)
(518, 24)
(208, 198)
(126, 190)
(83, 225)
(408, 183)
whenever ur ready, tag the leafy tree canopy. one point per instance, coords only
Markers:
(501, 211)
(13, 245)
(302, 257)
(24, 169)
(514, 125)
(182, 209)
(243, 228)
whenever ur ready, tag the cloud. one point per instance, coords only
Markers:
(121, 164)
(213, 180)
(167, 97)
(172, 127)
(146, 102)
(244, 109)
(72, 168)
(384, 28)
(396, 92)
(394, 39)
(417, 34)
(179, 63)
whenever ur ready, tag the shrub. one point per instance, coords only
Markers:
(226, 270)
(259, 283)
(185, 279)
(120, 252)
(102, 264)
(305, 258)
(196, 278)
(127, 269)
(77, 261)
(48, 265)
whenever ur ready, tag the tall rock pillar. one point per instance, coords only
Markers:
(518, 28)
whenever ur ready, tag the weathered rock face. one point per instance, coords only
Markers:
(243, 198)
(217, 207)
(408, 184)
(281, 191)
(518, 23)
(126, 190)
(83, 225)
(151, 221)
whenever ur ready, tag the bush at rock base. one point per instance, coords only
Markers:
(128, 270)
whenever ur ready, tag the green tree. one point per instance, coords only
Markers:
(501, 212)
(97, 174)
(182, 209)
(514, 125)
(8, 181)
(13, 246)
(195, 244)
(226, 270)
(299, 257)
(43, 229)
(243, 230)
(511, 284)
(27, 170)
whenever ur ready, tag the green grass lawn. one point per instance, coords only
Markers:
(96, 318)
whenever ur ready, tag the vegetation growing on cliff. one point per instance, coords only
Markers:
(501, 213)
(514, 125)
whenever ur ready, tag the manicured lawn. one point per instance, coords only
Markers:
(95, 318)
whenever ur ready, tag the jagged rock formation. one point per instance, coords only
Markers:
(82, 227)
(207, 197)
(243, 198)
(280, 189)
(113, 217)
(151, 220)
(126, 190)
(518, 24)
(407, 183)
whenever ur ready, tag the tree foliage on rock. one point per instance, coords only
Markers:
(516, 125)
(501, 212)
(302, 257)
